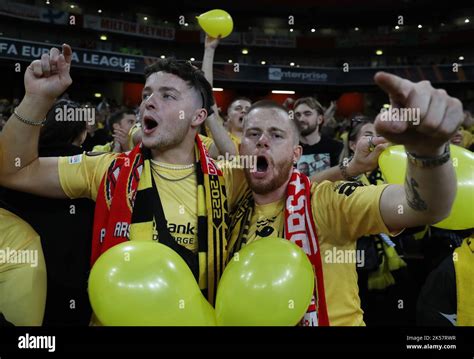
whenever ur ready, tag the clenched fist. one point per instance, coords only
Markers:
(49, 77)
(437, 115)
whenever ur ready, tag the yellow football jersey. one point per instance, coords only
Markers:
(22, 272)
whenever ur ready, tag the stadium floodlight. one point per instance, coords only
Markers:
(283, 92)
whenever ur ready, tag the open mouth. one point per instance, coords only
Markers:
(149, 124)
(262, 164)
(261, 167)
(456, 140)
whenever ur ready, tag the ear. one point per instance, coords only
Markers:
(352, 145)
(320, 119)
(199, 117)
(115, 125)
(297, 152)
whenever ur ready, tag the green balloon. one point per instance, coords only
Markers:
(144, 283)
(270, 282)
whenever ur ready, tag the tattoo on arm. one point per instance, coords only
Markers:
(413, 197)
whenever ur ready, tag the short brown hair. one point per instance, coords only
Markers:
(270, 104)
(193, 76)
(311, 102)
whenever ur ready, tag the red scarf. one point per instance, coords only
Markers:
(301, 230)
(114, 204)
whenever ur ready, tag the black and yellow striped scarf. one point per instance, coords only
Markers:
(126, 200)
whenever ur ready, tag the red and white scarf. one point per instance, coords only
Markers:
(301, 230)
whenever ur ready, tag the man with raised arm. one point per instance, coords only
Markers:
(166, 189)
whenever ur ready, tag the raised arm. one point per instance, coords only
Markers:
(330, 111)
(222, 142)
(430, 182)
(20, 167)
(210, 45)
(365, 160)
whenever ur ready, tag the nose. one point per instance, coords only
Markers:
(149, 102)
(263, 141)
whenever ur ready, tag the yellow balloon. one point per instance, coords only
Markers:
(143, 283)
(216, 23)
(269, 282)
(393, 160)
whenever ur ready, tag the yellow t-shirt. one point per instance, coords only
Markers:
(103, 148)
(22, 272)
(236, 140)
(342, 214)
(206, 141)
(80, 177)
(209, 141)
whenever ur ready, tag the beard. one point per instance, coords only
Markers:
(266, 186)
(308, 130)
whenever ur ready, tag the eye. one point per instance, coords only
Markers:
(168, 96)
(145, 96)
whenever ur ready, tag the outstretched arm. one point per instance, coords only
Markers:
(20, 167)
(430, 182)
